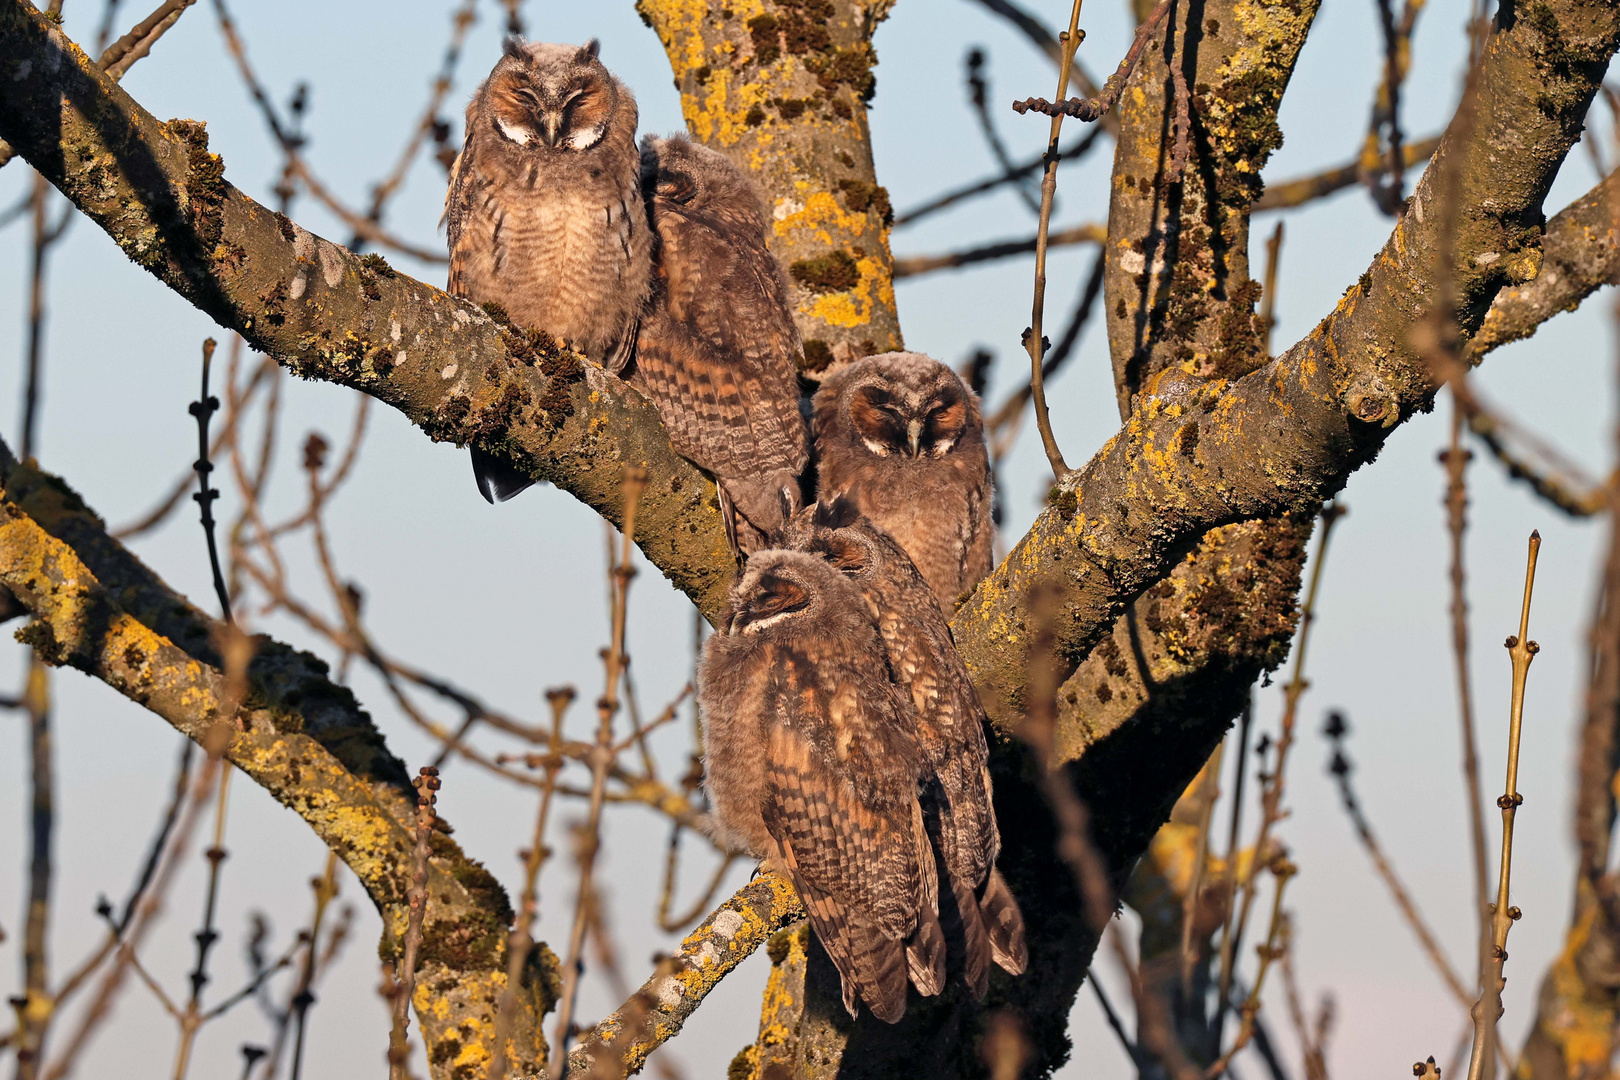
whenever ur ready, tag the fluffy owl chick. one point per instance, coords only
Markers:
(810, 765)
(544, 213)
(956, 793)
(900, 436)
(718, 350)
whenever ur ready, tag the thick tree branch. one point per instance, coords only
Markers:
(1580, 254)
(784, 93)
(328, 314)
(299, 736)
(1285, 437)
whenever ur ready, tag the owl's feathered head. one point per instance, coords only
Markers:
(687, 179)
(786, 590)
(549, 98)
(837, 532)
(898, 404)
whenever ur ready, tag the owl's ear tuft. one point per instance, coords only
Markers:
(588, 51)
(514, 46)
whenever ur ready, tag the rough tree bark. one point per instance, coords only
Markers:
(783, 89)
(298, 735)
(1218, 451)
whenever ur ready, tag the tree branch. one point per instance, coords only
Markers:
(300, 737)
(622, 1041)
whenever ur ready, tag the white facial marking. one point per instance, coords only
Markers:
(589, 137)
(756, 627)
(942, 448)
(876, 447)
(518, 135)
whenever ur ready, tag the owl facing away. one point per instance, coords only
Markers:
(810, 765)
(978, 910)
(900, 436)
(544, 212)
(718, 350)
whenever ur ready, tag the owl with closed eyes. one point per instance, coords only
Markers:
(811, 765)
(544, 213)
(718, 350)
(900, 436)
(978, 909)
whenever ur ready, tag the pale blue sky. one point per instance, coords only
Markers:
(509, 600)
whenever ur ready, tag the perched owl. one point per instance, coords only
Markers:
(923, 661)
(811, 765)
(718, 350)
(900, 436)
(545, 215)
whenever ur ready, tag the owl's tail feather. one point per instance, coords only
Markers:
(964, 915)
(925, 954)
(497, 481)
(872, 967)
(1005, 924)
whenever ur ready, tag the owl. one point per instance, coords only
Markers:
(900, 436)
(544, 213)
(718, 351)
(811, 765)
(949, 729)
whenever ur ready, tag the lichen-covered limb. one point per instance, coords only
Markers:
(1579, 254)
(331, 315)
(301, 737)
(783, 89)
(1285, 437)
(620, 1043)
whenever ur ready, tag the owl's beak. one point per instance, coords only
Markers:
(550, 127)
(914, 435)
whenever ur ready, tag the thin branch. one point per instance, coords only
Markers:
(1488, 1009)
(981, 187)
(1033, 339)
(1455, 458)
(913, 265)
(1089, 109)
(1288, 194)
(1340, 768)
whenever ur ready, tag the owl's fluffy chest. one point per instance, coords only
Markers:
(561, 250)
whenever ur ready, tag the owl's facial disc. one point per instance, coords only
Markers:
(876, 417)
(944, 424)
(773, 599)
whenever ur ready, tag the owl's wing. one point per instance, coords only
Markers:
(723, 415)
(978, 554)
(859, 865)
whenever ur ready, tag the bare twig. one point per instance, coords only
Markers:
(1013, 175)
(1268, 295)
(203, 409)
(1488, 1009)
(1033, 340)
(1094, 108)
(1282, 870)
(1340, 768)
(325, 888)
(1287, 194)
(33, 1008)
(1456, 459)
(620, 573)
(1271, 809)
(978, 96)
(1209, 790)
(521, 939)
(913, 265)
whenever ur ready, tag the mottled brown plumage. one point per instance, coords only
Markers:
(544, 213)
(924, 663)
(718, 349)
(810, 764)
(901, 437)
